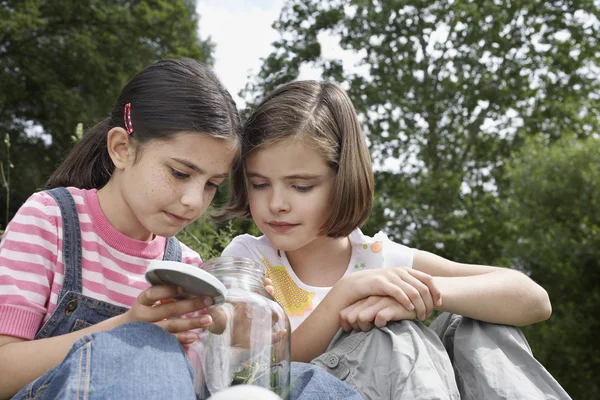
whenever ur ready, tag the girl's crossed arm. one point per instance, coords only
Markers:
(490, 294)
(315, 333)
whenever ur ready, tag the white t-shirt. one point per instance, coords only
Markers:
(299, 299)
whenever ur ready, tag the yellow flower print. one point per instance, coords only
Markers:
(294, 300)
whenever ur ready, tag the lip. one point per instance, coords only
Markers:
(176, 218)
(281, 227)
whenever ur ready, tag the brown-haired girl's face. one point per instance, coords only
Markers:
(173, 182)
(289, 191)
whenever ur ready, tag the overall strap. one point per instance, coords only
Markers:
(71, 241)
(172, 250)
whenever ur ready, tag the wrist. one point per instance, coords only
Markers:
(118, 320)
(342, 292)
(441, 283)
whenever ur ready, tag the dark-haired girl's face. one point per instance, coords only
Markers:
(173, 182)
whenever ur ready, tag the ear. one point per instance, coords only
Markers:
(120, 148)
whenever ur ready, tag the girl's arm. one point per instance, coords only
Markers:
(491, 294)
(22, 361)
(315, 333)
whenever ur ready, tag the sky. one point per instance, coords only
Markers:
(242, 34)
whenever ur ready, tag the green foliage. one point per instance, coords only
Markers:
(554, 216)
(447, 90)
(207, 238)
(5, 174)
(64, 62)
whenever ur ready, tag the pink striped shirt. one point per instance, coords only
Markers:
(31, 261)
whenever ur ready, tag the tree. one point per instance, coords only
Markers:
(554, 215)
(64, 62)
(447, 90)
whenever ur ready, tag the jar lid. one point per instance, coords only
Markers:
(193, 280)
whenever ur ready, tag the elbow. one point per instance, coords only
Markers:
(543, 306)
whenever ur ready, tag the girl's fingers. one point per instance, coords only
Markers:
(178, 325)
(368, 314)
(393, 312)
(178, 308)
(279, 336)
(348, 315)
(151, 295)
(187, 337)
(346, 327)
(425, 296)
(269, 286)
(270, 289)
(428, 280)
(361, 320)
(393, 290)
(365, 326)
(384, 316)
(348, 310)
(219, 317)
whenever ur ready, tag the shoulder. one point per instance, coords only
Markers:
(250, 247)
(33, 232)
(189, 256)
(388, 252)
(39, 210)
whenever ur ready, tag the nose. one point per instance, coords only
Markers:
(278, 201)
(193, 198)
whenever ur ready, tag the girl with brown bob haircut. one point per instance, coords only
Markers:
(306, 180)
(323, 115)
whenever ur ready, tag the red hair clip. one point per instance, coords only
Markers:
(127, 118)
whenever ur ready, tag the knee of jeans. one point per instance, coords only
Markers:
(142, 333)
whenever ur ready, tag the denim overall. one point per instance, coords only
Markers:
(74, 311)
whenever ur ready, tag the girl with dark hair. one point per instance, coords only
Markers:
(72, 260)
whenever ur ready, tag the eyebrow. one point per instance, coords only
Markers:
(196, 168)
(287, 178)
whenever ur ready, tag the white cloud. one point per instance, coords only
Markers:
(242, 33)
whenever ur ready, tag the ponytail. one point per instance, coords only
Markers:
(88, 165)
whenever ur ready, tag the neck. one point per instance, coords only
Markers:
(322, 262)
(119, 214)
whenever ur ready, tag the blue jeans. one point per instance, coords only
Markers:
(142, 361)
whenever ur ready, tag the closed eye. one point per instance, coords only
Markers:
(212, 185)
(178, 174)
(303, 189)
(259, 186)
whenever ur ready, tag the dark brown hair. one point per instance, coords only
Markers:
(322, 114)
(168, 97)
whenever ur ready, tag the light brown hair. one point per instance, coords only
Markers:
(321, 114)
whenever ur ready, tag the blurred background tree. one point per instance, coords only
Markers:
(482, 119)
(64, 62)
(448, 92)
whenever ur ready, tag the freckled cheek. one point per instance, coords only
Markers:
(159, 189)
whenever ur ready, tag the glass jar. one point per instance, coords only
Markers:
(249, 340)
